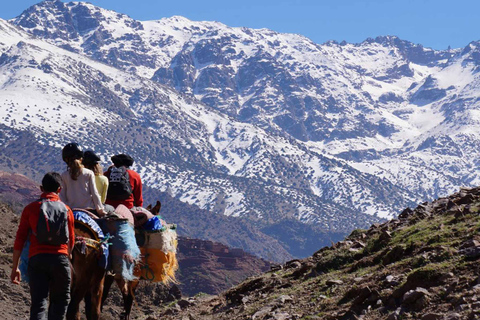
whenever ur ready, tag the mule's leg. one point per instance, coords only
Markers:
(131, 286)
(88, 305)
(96, 294)
(106, 287)
(79, 289)
(127, 288)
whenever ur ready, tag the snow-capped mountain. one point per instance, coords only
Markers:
(242, 122)
(50, 96)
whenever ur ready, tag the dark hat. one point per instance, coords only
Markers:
(122, 160)
(90, 158)
(72, 151)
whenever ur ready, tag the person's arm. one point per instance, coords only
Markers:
(137, 191)
(63, 191)
(22, 235)
(15, 275)
(71, 232)
(95, 196)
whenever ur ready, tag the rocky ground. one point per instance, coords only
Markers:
(423, 265)
(14, 299)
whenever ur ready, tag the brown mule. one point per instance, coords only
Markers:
(127, 288)
(88, 277)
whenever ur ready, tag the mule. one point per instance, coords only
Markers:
(127, 288)
(88, 277)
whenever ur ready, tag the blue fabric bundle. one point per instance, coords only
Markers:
(85, 218)
(124, 252)
(153, 224)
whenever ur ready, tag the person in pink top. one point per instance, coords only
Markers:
(125, 185)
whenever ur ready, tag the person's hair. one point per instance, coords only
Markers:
(74, 167)
(51, 182)
(96, 168)
(72, 155)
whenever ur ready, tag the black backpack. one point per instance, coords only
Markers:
(52, 226)
(119, 187)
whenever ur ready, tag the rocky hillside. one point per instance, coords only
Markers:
(211, 267)
(14, 300)
(423, 265)
(17, 190)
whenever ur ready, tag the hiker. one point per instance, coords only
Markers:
(125, 185)
(90, 161)
(78, 183)
(48, 223)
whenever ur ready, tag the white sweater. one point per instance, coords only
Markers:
(81, 193)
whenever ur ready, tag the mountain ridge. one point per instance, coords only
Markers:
(255, 123)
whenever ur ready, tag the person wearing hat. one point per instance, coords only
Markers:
(125, 185)
(90, 161)
(78, 183)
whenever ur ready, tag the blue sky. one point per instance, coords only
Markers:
(433, 23)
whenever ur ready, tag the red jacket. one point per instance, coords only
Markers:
(136, 198)
(28, 223)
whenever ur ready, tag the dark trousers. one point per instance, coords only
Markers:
(49, 273)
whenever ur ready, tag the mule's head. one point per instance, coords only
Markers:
(156, 209)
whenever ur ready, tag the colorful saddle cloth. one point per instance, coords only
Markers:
(87, 220)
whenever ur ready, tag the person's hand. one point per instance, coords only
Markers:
(15, 276)
(102, 213)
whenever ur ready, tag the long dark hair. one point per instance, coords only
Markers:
(72, 155)
(75, 167)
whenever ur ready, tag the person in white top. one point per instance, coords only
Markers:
(78, 183)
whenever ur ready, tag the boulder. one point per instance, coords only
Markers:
(293, 264)
(260, 314)
(416, 299)
(453, 316)
(333, 282)
(431, 316)
(284, 298)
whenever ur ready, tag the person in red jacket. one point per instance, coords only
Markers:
(49, 265)
(125, 185)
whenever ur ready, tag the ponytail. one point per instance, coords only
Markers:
(74, 167)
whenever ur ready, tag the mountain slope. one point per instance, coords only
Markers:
(269, 127)
(386, 105)
(191, 151)
(420, 266)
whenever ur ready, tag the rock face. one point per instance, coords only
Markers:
(434, 277)
(210, 267)
(17, 190)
